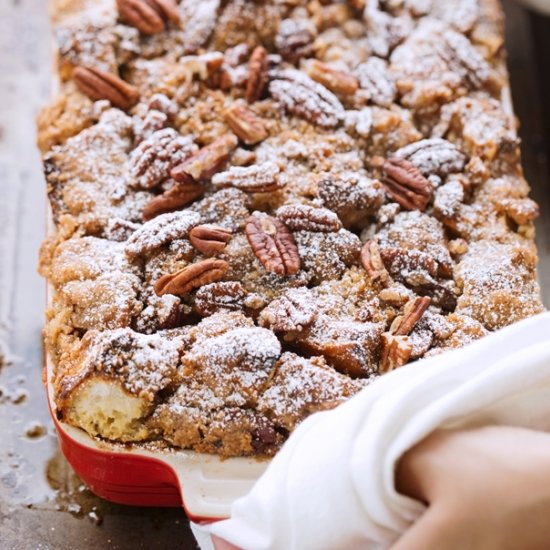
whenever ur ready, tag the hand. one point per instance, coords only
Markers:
(220, 544)
(486, 489)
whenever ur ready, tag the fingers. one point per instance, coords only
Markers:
(433, 531)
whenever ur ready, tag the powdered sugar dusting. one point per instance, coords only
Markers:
(160, 231)
(234, 365)
(145, 364)
(301, 386)
(304, 97)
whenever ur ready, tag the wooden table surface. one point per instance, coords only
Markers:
(43, 506)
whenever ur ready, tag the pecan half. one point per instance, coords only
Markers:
(406, 185)
(294, 39)
(247, 126)
(396, 352)
(222, 296)
(159, 232)
(412, 313)
(258, 178)
(433, 156)
(204, 164)
(273, 244)
(339, 82)
(294, 311)
(191, 277)
(149, 16)
(396, 345)
(98, 85)
(257, 75)
(374, 79)
(303, 97)
(209, 239)
(151, 161)
(178, 196)
(372, 262)
(301, 217)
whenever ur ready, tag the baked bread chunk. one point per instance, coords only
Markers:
(261, 206)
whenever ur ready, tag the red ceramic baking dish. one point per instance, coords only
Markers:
(204, 485)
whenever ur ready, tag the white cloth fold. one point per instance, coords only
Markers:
(332, 484)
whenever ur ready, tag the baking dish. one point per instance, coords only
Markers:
(204, 485)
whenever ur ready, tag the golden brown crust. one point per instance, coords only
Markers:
(212, 285)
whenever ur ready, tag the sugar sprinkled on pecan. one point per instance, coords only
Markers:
(152, 160)
(302, 96)
(191, 277)
(412, 313)
(209, 160)
(97, 84)
(384, 32)
(396, 352)
(247, 126)
(433, 156)
(359, 122)
(273, 244)
(295, 39)
(209, 239)
(406, 185)
(178, 196)
(293, 311)
(160, 231)
(339, 82)
(258, 178)
(301, 217)
(222, 296)
(396, 346)
(257, 75)
(374, 78)
(149, 16)
(372, 261)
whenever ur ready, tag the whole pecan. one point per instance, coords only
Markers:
(339, 82)
(257, 75)
(222, 296)
(191, 277)
(301, 217)
(247, 126)
(406, 185)
(273, 244)
(303, 97)
(206, 162)
(98, 85)
(178, 196)
(258, 178)
(372, 261)
(209, 239)
(149, 16)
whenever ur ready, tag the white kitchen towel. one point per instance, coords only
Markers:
(332, 484)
